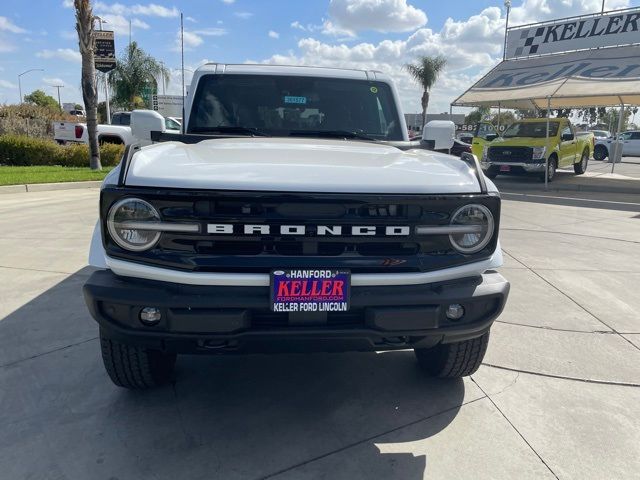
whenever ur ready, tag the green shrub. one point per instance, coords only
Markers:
(20, 150)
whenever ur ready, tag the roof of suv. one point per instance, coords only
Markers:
(304, 71)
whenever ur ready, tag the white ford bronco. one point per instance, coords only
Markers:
(292, 214)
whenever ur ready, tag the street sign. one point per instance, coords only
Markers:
(105, 51)
(167, 105)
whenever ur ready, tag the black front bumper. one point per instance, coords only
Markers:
(214, 319)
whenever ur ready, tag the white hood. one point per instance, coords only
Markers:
(299, 165)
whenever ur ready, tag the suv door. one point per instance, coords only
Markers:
(567, 147)
(631, 143)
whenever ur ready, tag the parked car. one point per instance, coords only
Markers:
(297, 218)
(465, 137)
(601, 134)
(630, 142)
(76, 132)
(119, 132)
(483, 134)
(524, 149)
(459, 147)
(121, 118)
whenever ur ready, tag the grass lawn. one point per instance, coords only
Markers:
(23, 175)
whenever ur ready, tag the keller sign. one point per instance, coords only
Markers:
(620, 27)
(104, 51)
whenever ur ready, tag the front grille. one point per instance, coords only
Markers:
(511, 154)
(237, 252)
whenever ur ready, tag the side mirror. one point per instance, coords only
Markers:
(491, 137)
(143, 122)
(567, 137)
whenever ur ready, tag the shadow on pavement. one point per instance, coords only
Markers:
(567, 182)
(615, 202)
(223, 417)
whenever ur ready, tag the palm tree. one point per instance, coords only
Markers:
(84, 27)
(134, 71)
(425, 73)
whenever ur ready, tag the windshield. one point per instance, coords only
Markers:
(601, 134)
(531, 129)
(291, 105)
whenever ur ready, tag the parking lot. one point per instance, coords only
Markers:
(558, 395)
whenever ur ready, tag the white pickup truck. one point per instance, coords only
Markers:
(73, 132)
(292, 215)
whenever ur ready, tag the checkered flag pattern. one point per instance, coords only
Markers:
(532, 39)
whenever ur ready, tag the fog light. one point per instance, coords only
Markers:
(150, 315)
(455, 311)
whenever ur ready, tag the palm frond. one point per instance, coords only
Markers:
(427, 70)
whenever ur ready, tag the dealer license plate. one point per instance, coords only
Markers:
(505, 168)
(296, 290)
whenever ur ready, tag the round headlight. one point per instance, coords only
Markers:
(126, 224)
(479, 228)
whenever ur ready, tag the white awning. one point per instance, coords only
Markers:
(592, 78)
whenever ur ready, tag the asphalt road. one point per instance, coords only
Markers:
(557, 398)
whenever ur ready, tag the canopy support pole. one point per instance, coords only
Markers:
(618, 143)
(548, 149)
(498, 128)
(451, 118)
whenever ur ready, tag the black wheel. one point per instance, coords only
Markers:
(135, 367)
(581, 167)
(551, 169)
(491, 175)
(600, 152)
(453, 360)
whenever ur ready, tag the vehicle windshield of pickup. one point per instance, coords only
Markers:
(259, 105)
(531, 129)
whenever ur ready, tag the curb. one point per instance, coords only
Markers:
(48, 187)
(571, 188)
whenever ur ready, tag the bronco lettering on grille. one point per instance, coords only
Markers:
(319, 230)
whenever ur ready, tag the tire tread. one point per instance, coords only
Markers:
(134, 367)
(454, 360)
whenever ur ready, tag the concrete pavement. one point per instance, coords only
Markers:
(557, 398)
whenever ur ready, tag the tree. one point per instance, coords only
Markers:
(476, 115)
(38, 97)
(86, 43)
(135, 72)
(425, 73)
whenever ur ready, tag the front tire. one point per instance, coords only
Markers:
(551, 170)
(580, 168)
(600, 152)
(135, 367)
(453, 360)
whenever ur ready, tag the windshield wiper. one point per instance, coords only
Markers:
(254, 132)
(331, 134)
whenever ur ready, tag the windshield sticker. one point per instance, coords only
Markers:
(296, 100)
(374, 89)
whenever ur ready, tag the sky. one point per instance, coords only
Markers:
(369, 34)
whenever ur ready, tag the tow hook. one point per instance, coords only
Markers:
(216, 344)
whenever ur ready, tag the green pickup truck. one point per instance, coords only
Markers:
(523, 148)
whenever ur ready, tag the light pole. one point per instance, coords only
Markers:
(58, 87)
(20, 77)
(507, 5)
